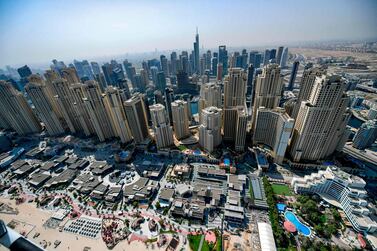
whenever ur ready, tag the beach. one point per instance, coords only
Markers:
(29, 214)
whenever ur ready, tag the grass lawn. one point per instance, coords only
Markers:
(182, 147)
(194, 241)
(281, 189)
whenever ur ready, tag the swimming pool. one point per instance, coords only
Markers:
(305, 230)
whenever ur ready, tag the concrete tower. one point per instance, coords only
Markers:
(180, 119)
(234, 126)
(137, 117)
(115, 110)
(210, 128)
(37, 91)
(210, 95)
(321, 120)
(95, 107)
(273, 128)
(16, 111)
(268, 88)
(163, 130)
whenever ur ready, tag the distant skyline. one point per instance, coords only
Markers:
(37, 31)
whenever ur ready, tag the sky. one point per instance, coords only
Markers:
(36, 31)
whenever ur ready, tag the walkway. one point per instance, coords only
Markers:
(201, 243)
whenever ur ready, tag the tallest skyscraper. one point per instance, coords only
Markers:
(196, 53)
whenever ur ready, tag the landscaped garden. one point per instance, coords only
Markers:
(326, 222)
(281, 189)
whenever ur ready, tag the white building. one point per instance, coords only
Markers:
(210, 129)
(180, 111)
(161, 125)
(342, 190)
(266, 237)
(273, 128)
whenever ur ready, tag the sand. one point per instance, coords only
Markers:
(29, 214)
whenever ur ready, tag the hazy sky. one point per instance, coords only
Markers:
(33, 31)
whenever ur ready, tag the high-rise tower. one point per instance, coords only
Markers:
(210, 128)
(268, 88)
(321, 120)
(137, 117)
(234, 124)
(292, 79)
(210, 95)
(37, 91)
(196, 52)
(16, 111)
(180, 113)
(115, 110)
(95, 107)
(273, 128)
(162, 129)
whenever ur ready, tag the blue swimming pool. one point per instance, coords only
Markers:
(305, 230)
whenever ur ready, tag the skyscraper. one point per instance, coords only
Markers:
(250, 80)
(196, 53)
(273, 55)
(266, 57)
(223, 59)
(180, 119)
(292, 79)
(366, 135)
(210, 128)
(210, 95)
(220, 72)
(164, 65)
(284, 58)
(65, 103)
(161, 81)
(240, 126)
(70, 75)
(273, 128)
(16, 111)
(268, 88)
(321, 120)
(162, 129)
(169, 98)
(115, 110)
(95, 106)
(279, 55)
(95, 67)
(234, 126)
(24, 72)
(81, 113)
(37, 91)
(306, 85)
(137, 117)
(214, 62)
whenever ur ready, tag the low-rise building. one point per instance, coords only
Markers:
(101, 168)
(114, 194)
(99, 192)
(38, 179)
(210, 172)
(181, 170)
(141, 190)
(166, 196)
(194, 209)
(63, 179)
(24, 170)
(85, 183)
(342, 190)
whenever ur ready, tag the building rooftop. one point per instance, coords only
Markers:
(166, 194)
(66, 176)
(38, 178)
